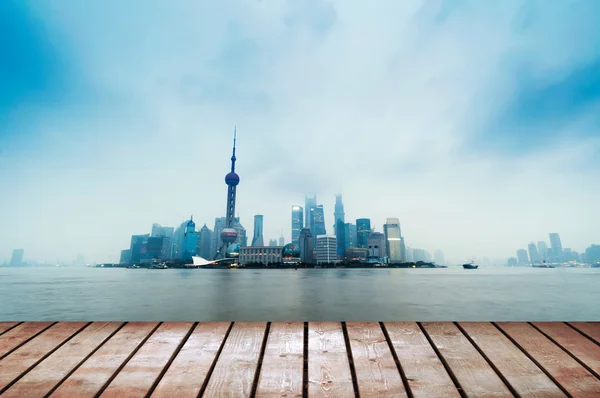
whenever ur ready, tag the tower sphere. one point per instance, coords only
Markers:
(232, 179)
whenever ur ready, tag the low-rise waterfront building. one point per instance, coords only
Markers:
(260, 254)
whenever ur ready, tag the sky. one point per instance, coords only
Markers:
(477, 124)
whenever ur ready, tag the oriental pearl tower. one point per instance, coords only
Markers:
(229, 234)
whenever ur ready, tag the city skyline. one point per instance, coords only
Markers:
(471, 125)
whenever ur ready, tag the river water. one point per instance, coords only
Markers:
(453, 294)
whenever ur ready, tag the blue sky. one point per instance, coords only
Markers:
(475, 123)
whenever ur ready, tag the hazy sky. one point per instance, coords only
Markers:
(476, 123)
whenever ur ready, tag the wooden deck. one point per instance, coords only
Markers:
(315, 359)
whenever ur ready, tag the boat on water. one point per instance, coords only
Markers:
(542, 266)
(133, 266)
(159, 266)
(470, 266)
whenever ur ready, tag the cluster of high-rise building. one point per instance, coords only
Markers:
(541, 253)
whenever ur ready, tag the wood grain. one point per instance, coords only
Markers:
(423, 369)
(34, 350)
(4, 326)
(283, 362)
(376, 371)
(522, 374)
(139, 374)
(41, 379)
(17, 336)
(233, 374)
(89, 378)
(187, 373)
(328, 367)
(580, 346)
(592, 329)
(475, 375)
(566, 371)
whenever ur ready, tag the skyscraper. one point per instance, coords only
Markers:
(167, 244)
(281, 241)
(257, 238)
(190, 241)
(543, 250)
(338, 213)
(341, 232)
(297, 221)
(138, 248)
(220, 223)
(17, 257)
(205, 242)
(326, 248)
(319, 221)
(306, 245)
(556, 248)
(272, 242)
(534, 256)
(363, 230)
(229, 234)
(310, 204)
(376, 245)
(522, 257)
(391, 229)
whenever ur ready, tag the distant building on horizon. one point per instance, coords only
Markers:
(310, 204)
(16, 258)
(393, 236)
(556, 247)
(281, 241)
(205, 242)
(338, 213)
(534, 256)
(297, 222)
(220, 223)
(306, 245)
(326, 248)
(543, 251)
(272, 242)
(319, 221)
(363, 230)
(137, 248)
(342, 238)
(125, 256)
(522, 257)
(257, 237)
(376, 246)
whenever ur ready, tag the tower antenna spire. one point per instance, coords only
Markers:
(233, 156)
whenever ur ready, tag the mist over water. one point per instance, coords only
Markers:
(453, 294)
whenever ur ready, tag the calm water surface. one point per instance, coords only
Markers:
(307, 295)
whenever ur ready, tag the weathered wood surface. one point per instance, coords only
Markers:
(328, 366)
(295, 359)
(574, 378)
(234, 372)
(376, 370)
(189, 369)
(590, 329)
(95, 372)
(282, 367)
(20, 335)
(139, 374)
(42, 379)
(583, 348)
(423, 369)
(19, 362)
(475, 375)
(4, 326)
(523, 375)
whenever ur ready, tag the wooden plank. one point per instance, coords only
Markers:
(580, 346)
(522, 374)
(423, 369)
(4, 326)
(17, 336)
(328, 367)
(565, 370)
(233, 374)
(189, 369)
(473, 372)
(89, 378)
(41, 379)
(591, 329)
(283, 362)
(138, 375)
(376, 371)
(20, 360)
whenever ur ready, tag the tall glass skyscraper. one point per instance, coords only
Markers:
(319, 221)
(556, 247)
(363, 229)
(297, 220)
(310, 204)
(391, 229)
(257, 238)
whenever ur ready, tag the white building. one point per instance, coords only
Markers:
(326, 249)
(260, 254)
